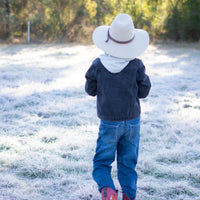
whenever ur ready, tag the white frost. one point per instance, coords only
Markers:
(48, 124)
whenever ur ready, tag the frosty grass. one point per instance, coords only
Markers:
(48, 125)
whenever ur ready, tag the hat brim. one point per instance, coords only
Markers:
(126, 51)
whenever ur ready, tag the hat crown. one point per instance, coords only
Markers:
(122, 28)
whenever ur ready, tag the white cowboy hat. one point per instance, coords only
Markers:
(121, 39)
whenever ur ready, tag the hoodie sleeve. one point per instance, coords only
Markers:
(91, 81)
(143, 82)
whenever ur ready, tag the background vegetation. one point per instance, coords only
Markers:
(74, 20)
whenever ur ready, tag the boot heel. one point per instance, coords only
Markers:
(109, 194)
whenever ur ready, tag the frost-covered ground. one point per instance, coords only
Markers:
(48, 125)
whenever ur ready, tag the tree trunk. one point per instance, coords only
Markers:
(7, 18)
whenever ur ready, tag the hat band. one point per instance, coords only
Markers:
(119, 42)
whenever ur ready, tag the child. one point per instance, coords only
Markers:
(118, 79)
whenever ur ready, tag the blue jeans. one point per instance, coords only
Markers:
(122, 137)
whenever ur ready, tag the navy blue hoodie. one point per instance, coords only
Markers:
(118, 93)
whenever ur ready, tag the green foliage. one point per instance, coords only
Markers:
(75, 20)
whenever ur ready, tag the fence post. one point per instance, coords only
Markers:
(28, 35)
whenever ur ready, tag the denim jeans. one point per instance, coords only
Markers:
(122, 138)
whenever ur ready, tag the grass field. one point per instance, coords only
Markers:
(48, 125)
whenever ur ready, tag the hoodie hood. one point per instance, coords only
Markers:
(113, 64)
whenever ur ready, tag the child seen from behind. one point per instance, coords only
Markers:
(118, 79)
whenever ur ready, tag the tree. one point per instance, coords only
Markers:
(7, 18)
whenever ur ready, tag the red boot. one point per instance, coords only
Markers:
(126, 198)
(109, 194)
